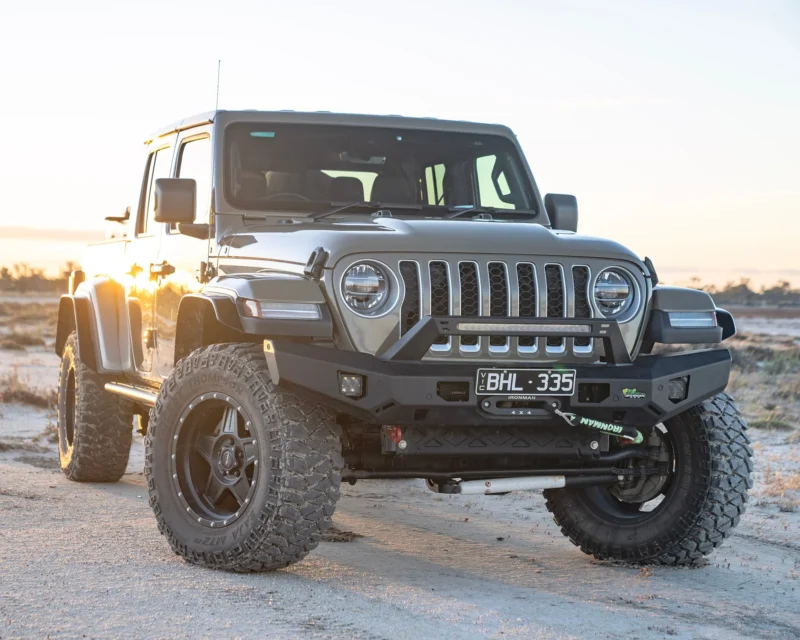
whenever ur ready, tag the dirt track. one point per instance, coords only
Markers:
(87, 561)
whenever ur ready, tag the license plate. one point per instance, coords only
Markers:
(525, 382)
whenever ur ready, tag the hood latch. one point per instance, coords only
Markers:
(315, 264)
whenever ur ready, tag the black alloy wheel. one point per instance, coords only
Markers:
(242, 475)
(215, 460)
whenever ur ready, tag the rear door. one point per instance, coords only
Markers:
(183, 253)
(142, 254)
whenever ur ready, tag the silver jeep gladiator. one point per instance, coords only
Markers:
(298, 299)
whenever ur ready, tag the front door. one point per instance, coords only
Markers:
(142, 255)
(182, 254)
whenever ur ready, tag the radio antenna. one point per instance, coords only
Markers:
(219, 66)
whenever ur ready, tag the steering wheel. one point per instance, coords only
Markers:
(286, 194)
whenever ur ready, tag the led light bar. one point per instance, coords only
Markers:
(281, 310)
(487, 328)
(692, 319)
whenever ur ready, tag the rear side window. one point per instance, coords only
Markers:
(159, 166)
(195, 162)
(434, 184)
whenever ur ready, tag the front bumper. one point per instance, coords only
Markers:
(400, 388)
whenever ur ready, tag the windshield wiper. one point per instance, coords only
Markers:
(370, 206)
(457, 212)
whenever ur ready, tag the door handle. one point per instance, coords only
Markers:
(162, 269)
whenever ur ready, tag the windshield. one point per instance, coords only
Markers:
(313, 167)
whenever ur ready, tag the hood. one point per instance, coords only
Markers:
(293, 242)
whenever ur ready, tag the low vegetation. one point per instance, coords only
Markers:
(18, 341)
(780, 294)
(22, 278)
(14, 388)
(27, 324)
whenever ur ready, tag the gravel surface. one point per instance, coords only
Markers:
(87, 561)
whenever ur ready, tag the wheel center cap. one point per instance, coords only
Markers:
(227, 459)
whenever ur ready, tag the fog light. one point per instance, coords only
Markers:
(677, 389)
(351, 385)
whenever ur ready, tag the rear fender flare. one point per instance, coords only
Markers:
(98, 313)
(74, 315)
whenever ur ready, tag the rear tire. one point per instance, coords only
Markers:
(94, 427)
(242, 476)
(705, 498)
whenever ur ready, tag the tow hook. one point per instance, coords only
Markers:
(618, 430)
(392, 440)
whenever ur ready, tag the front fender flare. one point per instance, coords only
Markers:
(228, 312)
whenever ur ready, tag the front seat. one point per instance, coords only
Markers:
(390, 189)
(346, 189)
(252, 185)
(283, 182)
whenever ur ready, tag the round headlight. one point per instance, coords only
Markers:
(365, 287)
(614, 293)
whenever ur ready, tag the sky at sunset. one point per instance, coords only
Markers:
(677, 125)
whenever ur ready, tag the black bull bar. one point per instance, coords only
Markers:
(400, 388)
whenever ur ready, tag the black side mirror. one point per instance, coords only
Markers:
(123, 218)
(175, 200)
(562, 210)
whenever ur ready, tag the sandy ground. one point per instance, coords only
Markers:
(87, 561)
(769, 326)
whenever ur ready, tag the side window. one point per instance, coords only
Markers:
(491, 194)
(195, 162)
(434, 184)
(498, 183)
(159, 165)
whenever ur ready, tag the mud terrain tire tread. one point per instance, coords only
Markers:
(308, 474)
(725, 474)
(103, 424)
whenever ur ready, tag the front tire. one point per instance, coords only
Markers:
(702, 502)
(95, 427)
(242, 476)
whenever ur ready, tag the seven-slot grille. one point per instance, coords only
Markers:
(472, 288)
